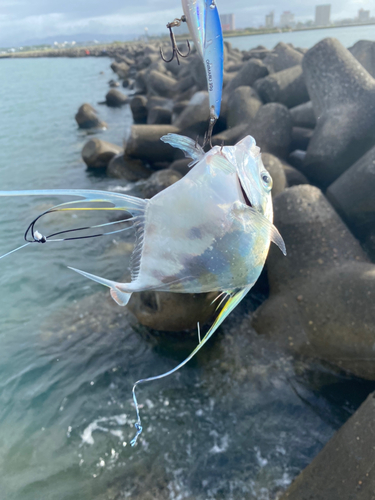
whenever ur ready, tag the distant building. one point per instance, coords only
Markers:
(363, 16)
(269, 20)
(286, 19)
(227, 22)
(323, 15)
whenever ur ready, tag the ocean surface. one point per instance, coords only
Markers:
(239, 421)
(347, 35)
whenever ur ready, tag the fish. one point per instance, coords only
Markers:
(210, 231)
(204, 25)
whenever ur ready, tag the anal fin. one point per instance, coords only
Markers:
(118, 295)
(122, 298)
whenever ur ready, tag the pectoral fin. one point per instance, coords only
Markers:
(249, 216)
(266, 225)
(119, 296)
(278, 239)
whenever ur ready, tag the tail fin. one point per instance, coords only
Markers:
(122, 298)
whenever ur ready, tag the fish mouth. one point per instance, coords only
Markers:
(245, 197)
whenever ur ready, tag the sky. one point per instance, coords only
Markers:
(22, 20)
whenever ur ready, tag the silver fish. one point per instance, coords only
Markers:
(210, 231)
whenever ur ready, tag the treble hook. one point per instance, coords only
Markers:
(175, 50)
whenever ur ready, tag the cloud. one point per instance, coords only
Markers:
(21, 20)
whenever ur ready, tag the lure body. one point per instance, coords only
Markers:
(204, 25)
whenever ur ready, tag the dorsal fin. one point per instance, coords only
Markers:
(190, 148)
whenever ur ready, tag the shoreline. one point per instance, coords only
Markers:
(110, 49)
(238, 33)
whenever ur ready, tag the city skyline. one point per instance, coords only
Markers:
(323, 17)
(21, 20)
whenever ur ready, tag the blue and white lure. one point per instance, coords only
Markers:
(203, 20)
(210, 231)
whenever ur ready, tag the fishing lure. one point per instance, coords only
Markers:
(210, 231)
(203, 20)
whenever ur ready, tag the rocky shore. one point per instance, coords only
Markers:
(312, 112)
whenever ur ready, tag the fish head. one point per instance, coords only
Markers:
(254, 180)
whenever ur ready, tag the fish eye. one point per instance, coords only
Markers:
(267, 180)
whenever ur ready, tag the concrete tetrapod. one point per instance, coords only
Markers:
(144, 143)
(364, 52)
(159, 116)
(282, 57)
(172, 312)
(251, 71)
(131, 169)
(160, 84)
(301, 137)
(343, 96)
(87, 117)
(353, 194)
(293, 176)
(121, 69)
(303, 115)
(275, 168)
(272, 129)
(116, 99)
(286, 87)
(138, 106)
(157, 182)
(243, 106)
(97, 153)
(194, 118)
(344, 469)
(321, 299)
(231, 136)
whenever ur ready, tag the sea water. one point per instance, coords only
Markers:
(347, 35)
(239, 421)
